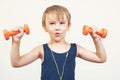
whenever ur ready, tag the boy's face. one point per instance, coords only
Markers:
(56, 27)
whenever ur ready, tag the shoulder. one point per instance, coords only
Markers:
(39, 50)
(80, 50)
(77, 46)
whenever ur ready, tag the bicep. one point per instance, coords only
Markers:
(29, 57)
(87, 55)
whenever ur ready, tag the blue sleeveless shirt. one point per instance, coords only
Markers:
(49, 71)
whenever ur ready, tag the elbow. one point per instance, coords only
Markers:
(15, 65)
(103, 60)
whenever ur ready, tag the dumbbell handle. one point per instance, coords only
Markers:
(87, 29)
(7, 33)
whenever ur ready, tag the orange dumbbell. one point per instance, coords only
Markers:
(102, 33)
(7, 33)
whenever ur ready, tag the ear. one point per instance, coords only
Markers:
(45, 28)
(69, 27)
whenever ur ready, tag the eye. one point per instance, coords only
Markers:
(52, 23)
(62, 22)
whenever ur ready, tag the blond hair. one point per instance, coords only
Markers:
(59, 11)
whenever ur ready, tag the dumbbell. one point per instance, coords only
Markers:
(7, 33)
(102, 33)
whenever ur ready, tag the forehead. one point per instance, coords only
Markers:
(53, 16)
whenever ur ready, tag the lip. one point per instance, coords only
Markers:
(57, 34)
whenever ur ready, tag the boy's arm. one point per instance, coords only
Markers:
(16, 59)
(99, 56)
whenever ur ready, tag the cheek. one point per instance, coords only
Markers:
(65, 29)
(50, 31)
(47, 28)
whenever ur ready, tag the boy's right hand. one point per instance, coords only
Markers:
(17, 37)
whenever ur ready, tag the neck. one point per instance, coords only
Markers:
(57, 42)
(61, 46)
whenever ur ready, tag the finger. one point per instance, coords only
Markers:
(21, 29)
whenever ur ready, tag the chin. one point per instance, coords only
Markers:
(58, 39)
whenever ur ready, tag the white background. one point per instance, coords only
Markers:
(99, 13)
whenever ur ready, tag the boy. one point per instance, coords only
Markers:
(58, 56)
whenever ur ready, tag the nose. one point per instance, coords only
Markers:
(57, 27)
